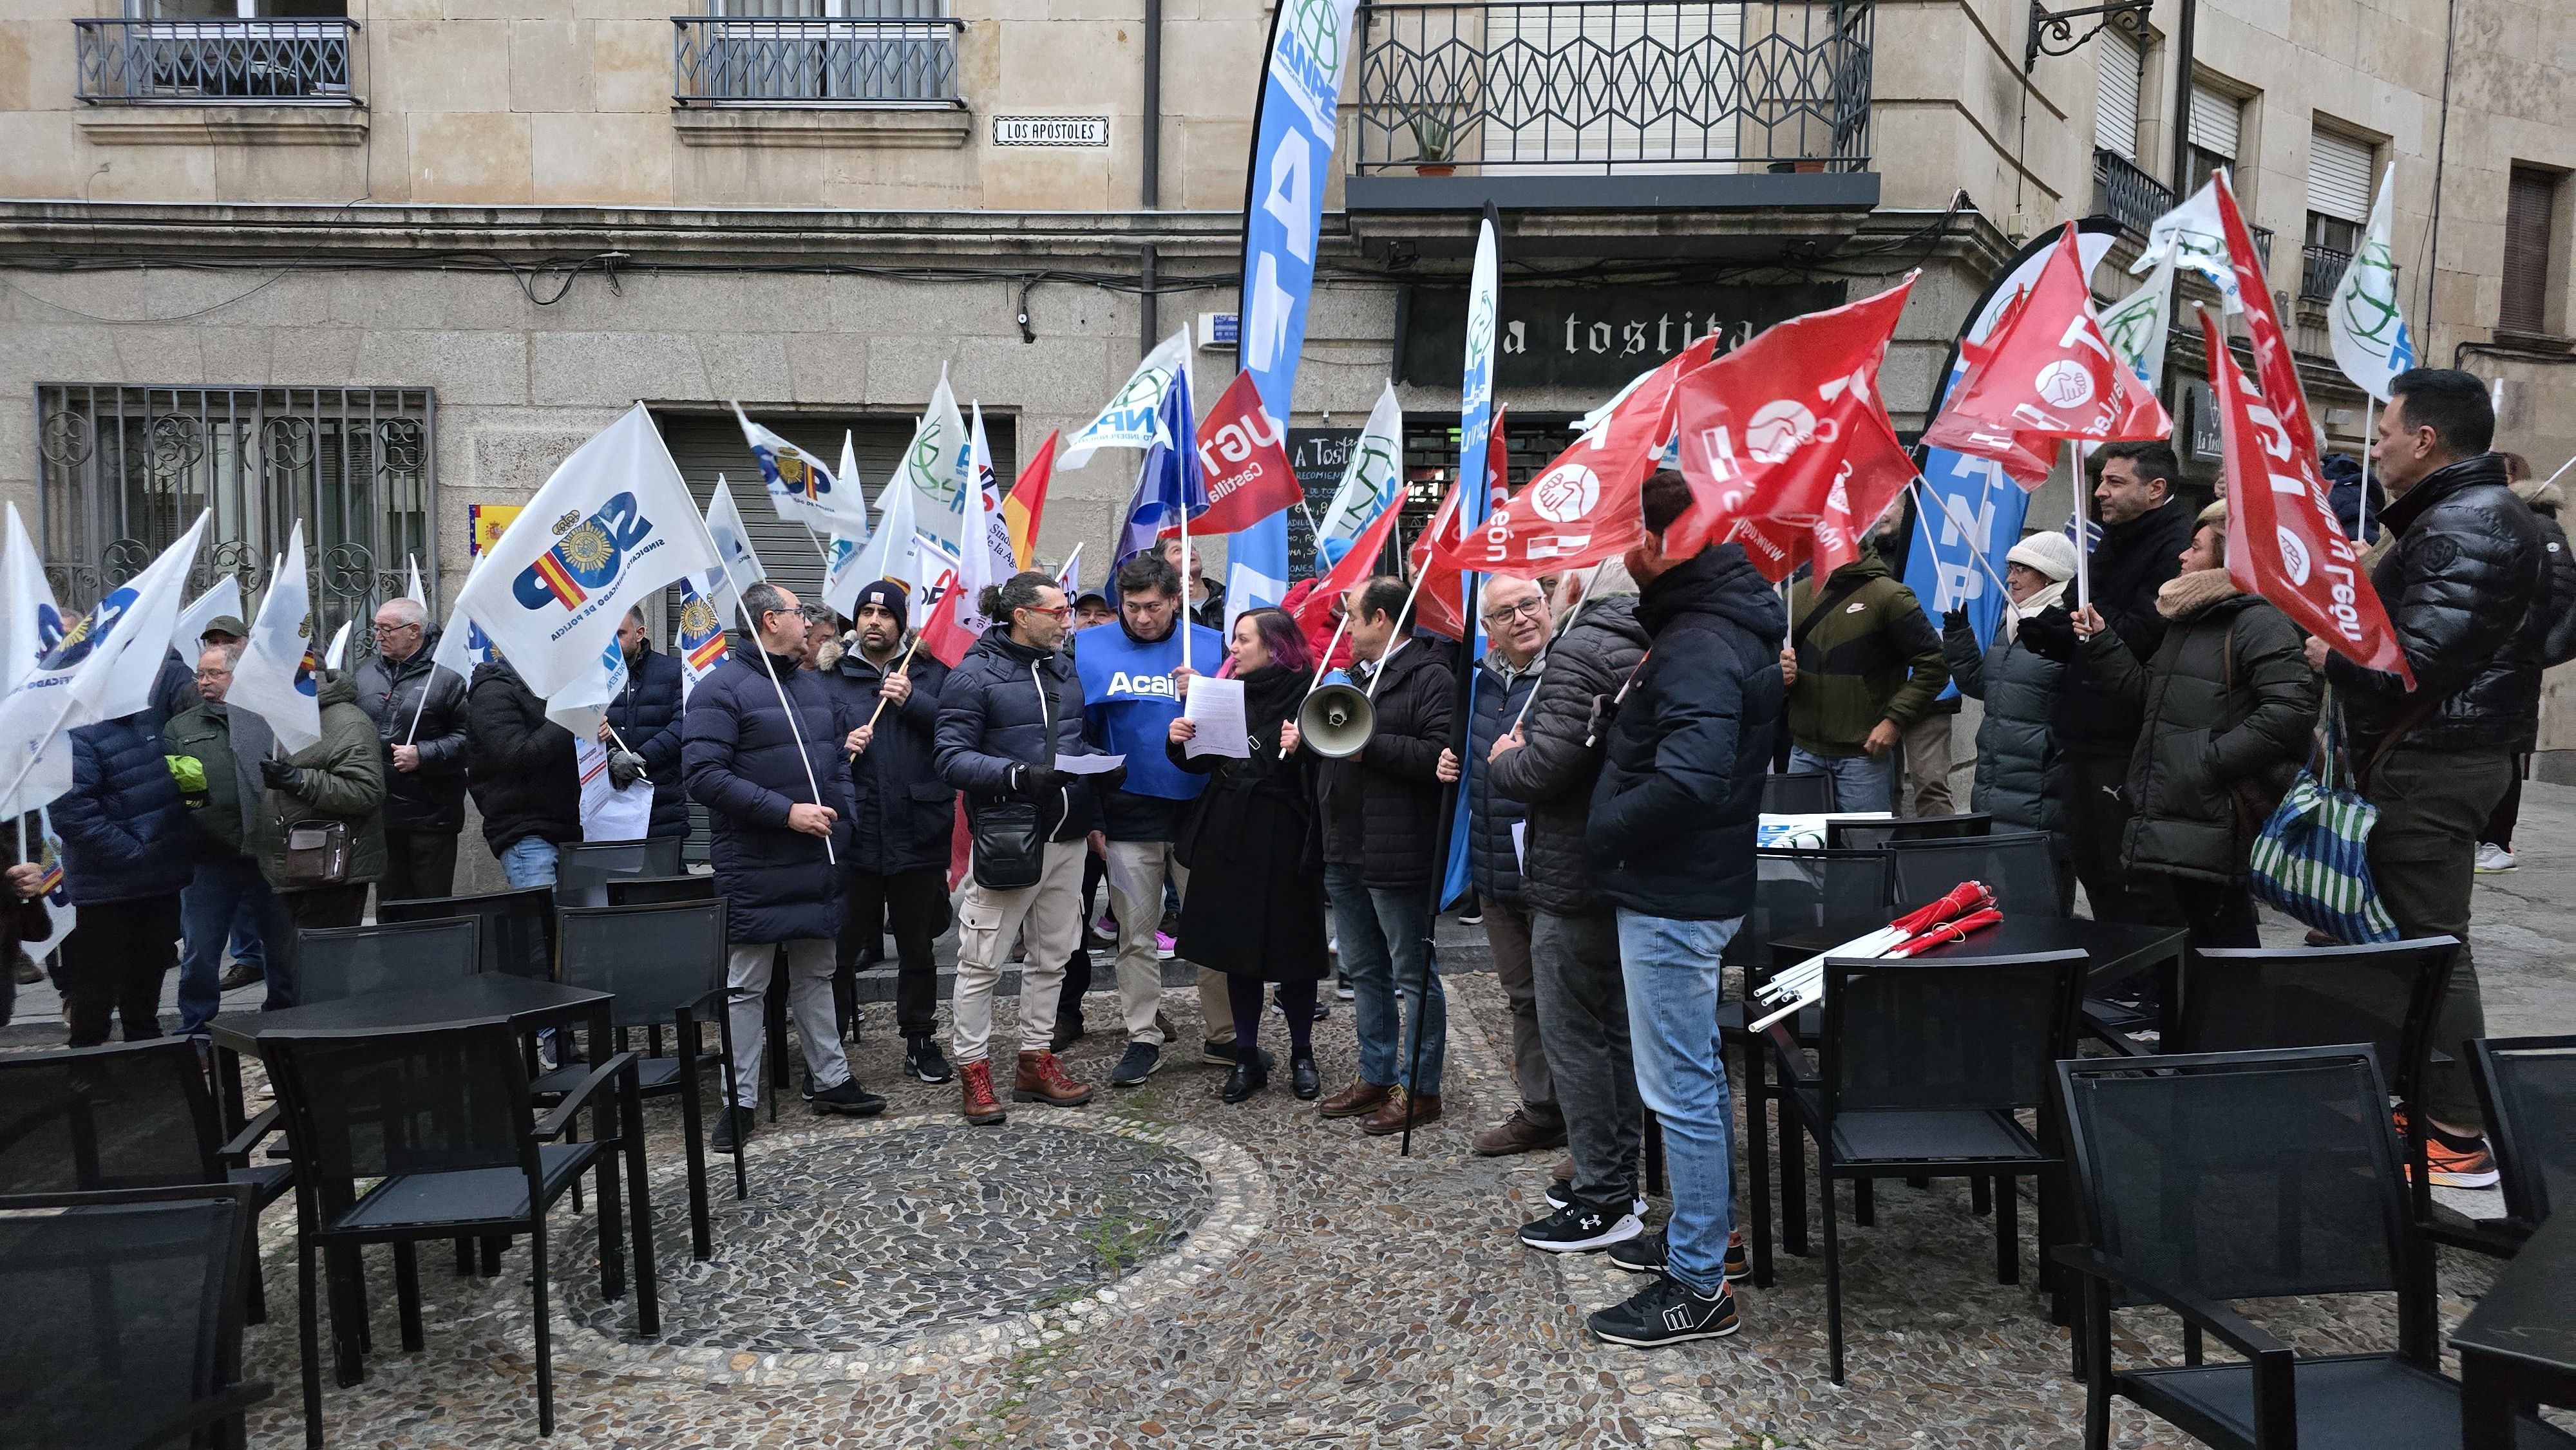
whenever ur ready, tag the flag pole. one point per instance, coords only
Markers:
(2083, 528)
(1185, 620)
(1591, 577)
(2361, 519)
(1324, 666)
(903, 668)
(413, 734)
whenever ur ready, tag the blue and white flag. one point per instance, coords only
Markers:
(1372, 480)
(612, 527)
(1134, 417)
(29, 623)
(801, 489)
(2191, 235)
(189, 639)
(1000, 560)
(279, 673)
(702, 638)
(1475, 436)
(1294, 127)
(738, 564)
(892, 552)
(1170, 485)
(54, 889)
(935, 468)
(2363, 321)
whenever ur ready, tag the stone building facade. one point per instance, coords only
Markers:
(385, 262)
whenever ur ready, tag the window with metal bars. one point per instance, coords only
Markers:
(122, 471)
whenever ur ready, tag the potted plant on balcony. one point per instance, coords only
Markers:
(1433, 139)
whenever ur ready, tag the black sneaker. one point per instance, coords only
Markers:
(923, 1059)
(1645, 1255)
(1579, 1230)
(1221, 1054)
(1560, 1193)
(848, 1097)
(1665, 1312)
(1136, 1065)
(732, 1130)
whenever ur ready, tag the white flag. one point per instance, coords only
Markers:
(2368, 328)
(801, 489)
(1133, 419)
(739, 565)
(29, 622)
(2136, 325)
(411, 585)
(1001, 561)
(1374, 476)
(934, 468)
(612, 526)
(333, 657)
(889, 553)
(57, 892)
(2191, 235)
(225, 598)
(702, 638)
(581, 705)
(279, 671)
(848, 475)
(100, 669)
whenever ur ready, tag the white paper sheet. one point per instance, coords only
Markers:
(1520, 847)
(1089, 764)
(606, 814)
(1216, 707)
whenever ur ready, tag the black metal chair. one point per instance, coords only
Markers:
(123, 1322)
(1794, 891)
(2018, 866)
(1879, 835)
(2528, 1085)
(353, 961)
(518, 927)
(663, 962)
(437, 1126)
(2210, 1178)
(649, 890)
(583, 869)
(1797, 793)
(1919, 1070)
(134, 1115)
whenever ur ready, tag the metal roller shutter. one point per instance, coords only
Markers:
(2215, 121)
(2339, 177)
(2530, 199)
(2115, 108)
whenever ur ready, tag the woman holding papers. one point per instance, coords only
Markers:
(1255, 908)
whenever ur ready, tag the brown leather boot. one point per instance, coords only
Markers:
(1042, 1080)
(1519, 1133)
(1354, 1100)
(1389, 1117)
(975, 1082)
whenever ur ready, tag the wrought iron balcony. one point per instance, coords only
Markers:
(2321, 270)
(722, 61)
(215, 62)
(2126, 194)
(1545, 86)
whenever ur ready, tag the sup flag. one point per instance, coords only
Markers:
(801, 489)
(612, 526)
(702, 638)
(273, 679)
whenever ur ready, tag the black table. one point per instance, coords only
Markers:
(2115, 950)
(2518, 1347)
(525, 1004)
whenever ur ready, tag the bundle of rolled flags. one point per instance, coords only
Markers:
(1968, 907)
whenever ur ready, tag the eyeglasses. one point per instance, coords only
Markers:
(214, 674)
(1529, 608)
(1061, 611)
(393, 628)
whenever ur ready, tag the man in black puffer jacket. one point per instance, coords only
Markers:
(519, 765)
(419, 710)
(1671, 844)
(773, 844)
(2145, 528)
(1008, 712)
(1381, 815)
(2463, 584)
(645, 715)
(1551, 762)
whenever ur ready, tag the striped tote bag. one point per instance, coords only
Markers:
(2312, 859)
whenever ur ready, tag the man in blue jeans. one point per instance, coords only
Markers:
(1670, 844)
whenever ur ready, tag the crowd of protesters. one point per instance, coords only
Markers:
(1610, 774)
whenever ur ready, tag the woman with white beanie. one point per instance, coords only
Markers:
(2017, 756)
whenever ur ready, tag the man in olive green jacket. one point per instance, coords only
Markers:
(227, 747)
(339, 777)
(1863, 664)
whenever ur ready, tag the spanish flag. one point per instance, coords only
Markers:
(1026, 504)
(550, 567)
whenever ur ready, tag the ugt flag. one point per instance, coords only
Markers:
(614, 524)
(801, 489)
(280, 667)
(1241, 457)
(2368, 330)
(1169, 487)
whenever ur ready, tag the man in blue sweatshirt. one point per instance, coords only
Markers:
(1130, 697)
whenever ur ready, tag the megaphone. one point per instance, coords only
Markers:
(1336, 721)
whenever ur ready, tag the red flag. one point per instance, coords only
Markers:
(1775, 549)
(1876, 468)
(948, 633)
(1436, 602)
(1584, 507)
(1240, 453)
(1356, 566)
(2283, 540)
(1026, 504)
(1498, 461)
(1764, 429)
(2045, 373)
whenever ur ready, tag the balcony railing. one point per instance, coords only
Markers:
(2321, 270)
(2126, 194)
(215, 62)
(1614, 85)
(721, 61)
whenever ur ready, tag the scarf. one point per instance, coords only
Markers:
(2185, 595)
(2010, 625)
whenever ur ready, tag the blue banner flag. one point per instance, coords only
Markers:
(1475, 433)
(1171, 485)
(1293, 131)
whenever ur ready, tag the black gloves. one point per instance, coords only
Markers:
(1037, 780)
(1954, 619)
(1112, 778)
(281, 776)
(2050, 634)
(623, 768)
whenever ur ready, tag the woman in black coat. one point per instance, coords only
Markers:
(1255, 907)
(2229, 703)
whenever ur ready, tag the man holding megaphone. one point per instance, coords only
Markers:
(1380, 807)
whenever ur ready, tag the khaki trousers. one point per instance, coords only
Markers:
(987, 922)
(1137, 870)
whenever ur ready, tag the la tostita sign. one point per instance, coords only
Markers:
(1591, 336)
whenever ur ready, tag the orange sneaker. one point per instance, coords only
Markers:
(2460, 1167)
